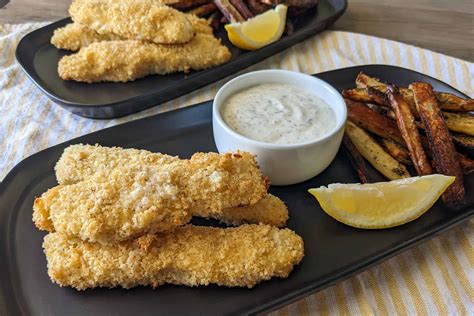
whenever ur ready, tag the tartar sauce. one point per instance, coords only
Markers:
(278, 114)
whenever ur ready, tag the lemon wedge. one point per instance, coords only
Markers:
(259, 31)
(382, 204)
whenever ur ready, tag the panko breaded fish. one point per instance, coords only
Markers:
(79, 162)
(134, 19)
(122, 61)
(74, 36)
(132, 200)
(117, 205)
(190, 255)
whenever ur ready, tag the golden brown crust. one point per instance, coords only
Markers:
(122, 61)
(190, 255)
(447, 101)
(397, 151)
(75, 36)
(370, 120)
(116, 205)
(409, 130)
(138, 20)
(442, 148)
(460, 122)
(463, 141)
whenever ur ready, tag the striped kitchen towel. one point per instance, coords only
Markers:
(435, 278)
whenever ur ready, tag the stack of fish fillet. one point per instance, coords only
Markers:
(125, 40)
(120, 217)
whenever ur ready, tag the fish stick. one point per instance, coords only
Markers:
(190, 255)
(270, 210)
(132, 200)
(113, 206)
(74, 36)
(234, 179)
(138, 20)
(79, 162)
(122, 61)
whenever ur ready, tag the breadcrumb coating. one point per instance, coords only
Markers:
(134, 19)
(117, 205)
(74, 36)
(127, 198)
(270, 210)
(79, 162)
(190, 255)
(122, 61)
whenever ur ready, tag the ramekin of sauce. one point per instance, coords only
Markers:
(293, 122)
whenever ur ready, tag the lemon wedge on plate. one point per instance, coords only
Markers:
(259, 31)
(382, 204)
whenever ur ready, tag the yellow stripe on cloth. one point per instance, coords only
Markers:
(435, 278)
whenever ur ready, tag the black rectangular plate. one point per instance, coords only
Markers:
(39, 59)
(333, 251)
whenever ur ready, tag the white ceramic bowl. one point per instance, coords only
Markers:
(283, 164)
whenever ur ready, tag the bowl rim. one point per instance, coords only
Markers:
(217, 115)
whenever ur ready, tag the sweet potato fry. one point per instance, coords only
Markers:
(229, 11)
(242, 8)
(442, 148)
(375, 123)
(397, 151)
(447, 101)
(460, 122)
(375, 154)
(204, 10)
(409, 131)
(463, 141)
(370, 94)
(356, 159)
(467, 164)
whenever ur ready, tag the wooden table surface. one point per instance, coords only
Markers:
(440, 25)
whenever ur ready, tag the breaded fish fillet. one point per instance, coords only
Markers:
(190, 255)
(131, 200)
(134, 19)
(122, 61)
(79, 162)
(270, 210)
(74, 36)
(117, 205)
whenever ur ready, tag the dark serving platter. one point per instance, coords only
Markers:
(39, 60)
(333, 251)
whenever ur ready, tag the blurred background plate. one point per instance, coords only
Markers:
(39, 59)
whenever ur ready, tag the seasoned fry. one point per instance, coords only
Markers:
(139, 20)
(270, 210)
(375, 123)
(242, 8)
(460, 122)
(229, 11)
(447, 101)
(442, 148)
(370, 94)
(204, 9)
(122, 61)
(117, 205)
(467, 164)
(183, 4)
(463, 140)
(242, 256)
(397, 151)
(375, 154)
(409, 131)
(215, 19)
(356, 159)
(258, 7)
(74, 36)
